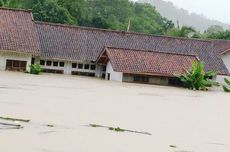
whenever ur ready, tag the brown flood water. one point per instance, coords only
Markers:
(179, 120)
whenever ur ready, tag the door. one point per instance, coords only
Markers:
(16, 65)
(108, 76)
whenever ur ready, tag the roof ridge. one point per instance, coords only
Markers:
(16, 9)
(117, 31)
(150, 51)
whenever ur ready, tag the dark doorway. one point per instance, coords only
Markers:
(108, 76)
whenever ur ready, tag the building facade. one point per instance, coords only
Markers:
(73, 50)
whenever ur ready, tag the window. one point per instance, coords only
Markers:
(48, 63)
(141, 79)
(62, 64)
(42, 62)
(104, 68)
(103, 76)
(80, 66)
(9, 63)
(86, 66)
(23, 64)
(33, 60)
(16, 64)
(55, 63)
(92, 67)
(53, 71)
(108, 76)
(74, 65)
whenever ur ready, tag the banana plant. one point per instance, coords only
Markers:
(226, 87)
(196, 78)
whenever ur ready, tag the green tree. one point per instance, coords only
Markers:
(196, 78)
(78, 9)
(10, 3)
(184, 31)
(226, 87)
(35, 69)
(146, 19)
(110, 13)
(50, 11)
(219, 35)
(214, 29)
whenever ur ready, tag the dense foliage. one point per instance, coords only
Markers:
(184, 31)
(109, 14)
(196, 78)
(35, 69)
(226, 87)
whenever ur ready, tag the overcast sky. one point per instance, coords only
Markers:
(213, 9)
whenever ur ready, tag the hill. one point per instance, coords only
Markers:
(107, 14)
(171, 12)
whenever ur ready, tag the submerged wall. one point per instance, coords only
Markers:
(67, 67)
(4, 55)
(226, 58)
(220, 78)
(157, 80)
(113, 75)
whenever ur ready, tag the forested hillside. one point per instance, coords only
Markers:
(112, 14)
(109, 14)
(170, 11)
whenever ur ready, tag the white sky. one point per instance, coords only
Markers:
(213, 9)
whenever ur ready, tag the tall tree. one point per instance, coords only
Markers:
(78, 9)
(146, 19)
(184, 31)
(50, 11)
(114, 13)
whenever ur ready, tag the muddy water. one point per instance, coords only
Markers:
(179, 120)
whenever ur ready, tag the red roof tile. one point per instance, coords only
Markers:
(148, 62)
(82, 43)
(17, 31)
(222, 46)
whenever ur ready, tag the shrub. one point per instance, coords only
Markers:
(196, 78)
(226, 87)
(35, 69)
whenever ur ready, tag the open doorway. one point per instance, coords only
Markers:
(107, 76)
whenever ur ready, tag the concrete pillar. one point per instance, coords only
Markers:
(68, 68)
(98, 71)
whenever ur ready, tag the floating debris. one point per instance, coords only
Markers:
(14, 119)
(48, 125)
(118, 129)
(172, 146)
(10, 126)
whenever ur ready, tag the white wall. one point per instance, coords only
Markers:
(220, 78)
(14, 56)
(65, 68)
(226, 59)
(68, 66)
(114, 76)
(99, 71)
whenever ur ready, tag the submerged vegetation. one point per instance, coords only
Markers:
(35, 69)
(118, 129)
(226, 87)
(196, 78)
